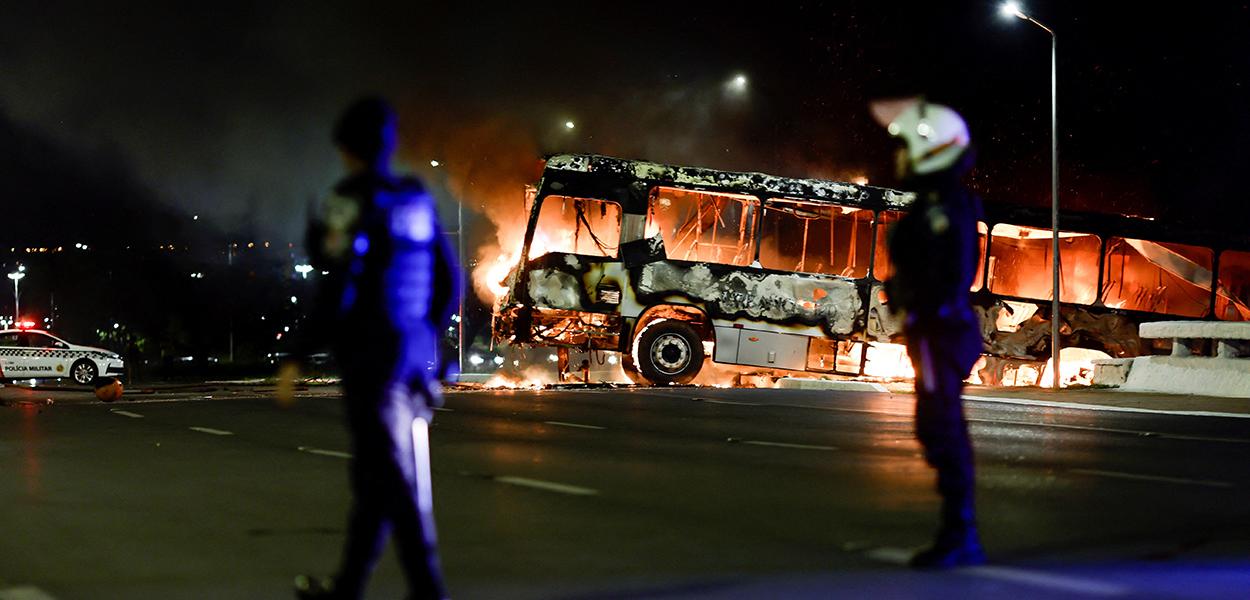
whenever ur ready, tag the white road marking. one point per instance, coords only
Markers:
(1074, 405)
(785, 445)
(1158, 478)
(888, 555)
(442, 409)
(1076, 585)
(711, 401)
(126, 413)
(25, 592)
(577, 425)
(320, 452)
(1138, 432)
(210, 431)
(549, 486)
(1051, 425)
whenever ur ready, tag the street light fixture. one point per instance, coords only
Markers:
(1009, 10)
(16, 276)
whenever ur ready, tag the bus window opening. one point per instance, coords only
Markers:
(816, 238)
(704, 226)
(1232, 303)
(577, 226)
(1156, 277)
(1020, 263)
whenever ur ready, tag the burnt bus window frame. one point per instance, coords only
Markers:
(987, 285)
(766, 206)
(1221, 263)
(537, 211)
(754, 205)
(1105, 282)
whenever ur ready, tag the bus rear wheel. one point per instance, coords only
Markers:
(669, 352)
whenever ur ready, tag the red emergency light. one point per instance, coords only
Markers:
(25, 324)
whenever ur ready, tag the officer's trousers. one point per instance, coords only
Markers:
(388, 488)
(942, 355)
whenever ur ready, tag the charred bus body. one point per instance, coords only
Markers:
(669, 265)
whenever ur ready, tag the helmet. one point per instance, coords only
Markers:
(936, 136)
(366, 129)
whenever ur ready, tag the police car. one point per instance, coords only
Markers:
(33, 354)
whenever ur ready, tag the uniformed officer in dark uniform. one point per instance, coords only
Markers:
(935, 249)
(391, 289)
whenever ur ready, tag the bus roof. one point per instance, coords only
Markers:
(758, 183)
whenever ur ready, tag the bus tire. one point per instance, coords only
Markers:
(669, 352)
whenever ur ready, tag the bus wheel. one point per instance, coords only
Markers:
(669, 352)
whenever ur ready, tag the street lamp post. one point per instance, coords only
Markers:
(16, 276)
(1012, 9)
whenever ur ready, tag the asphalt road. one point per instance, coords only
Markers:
(627, 493)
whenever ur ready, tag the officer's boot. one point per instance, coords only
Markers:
(957, 543)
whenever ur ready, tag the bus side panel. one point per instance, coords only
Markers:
(778, 302)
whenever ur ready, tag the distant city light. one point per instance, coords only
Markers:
(294, 300)
(476, 360)
(116, 325)
(435, 163)
(303, 270)
(195, 218)
(286, 329)
(738, 84)
(569, 125)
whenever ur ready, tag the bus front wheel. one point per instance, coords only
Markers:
(669, 352)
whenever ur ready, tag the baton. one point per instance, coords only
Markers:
(421, 456)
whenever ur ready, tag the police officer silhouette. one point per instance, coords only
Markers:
(934, 250)
(389, 295)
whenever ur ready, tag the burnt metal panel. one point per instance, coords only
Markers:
(726, 344)
(768, 349)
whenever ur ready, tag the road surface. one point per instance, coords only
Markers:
(216, 492)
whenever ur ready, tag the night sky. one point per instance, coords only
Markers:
(163, 110)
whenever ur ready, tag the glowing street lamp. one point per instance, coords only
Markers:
(16, 276)
(303, 270)
(1010, 10)
(570, 125)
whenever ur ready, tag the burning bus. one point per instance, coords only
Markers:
(670, 265)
